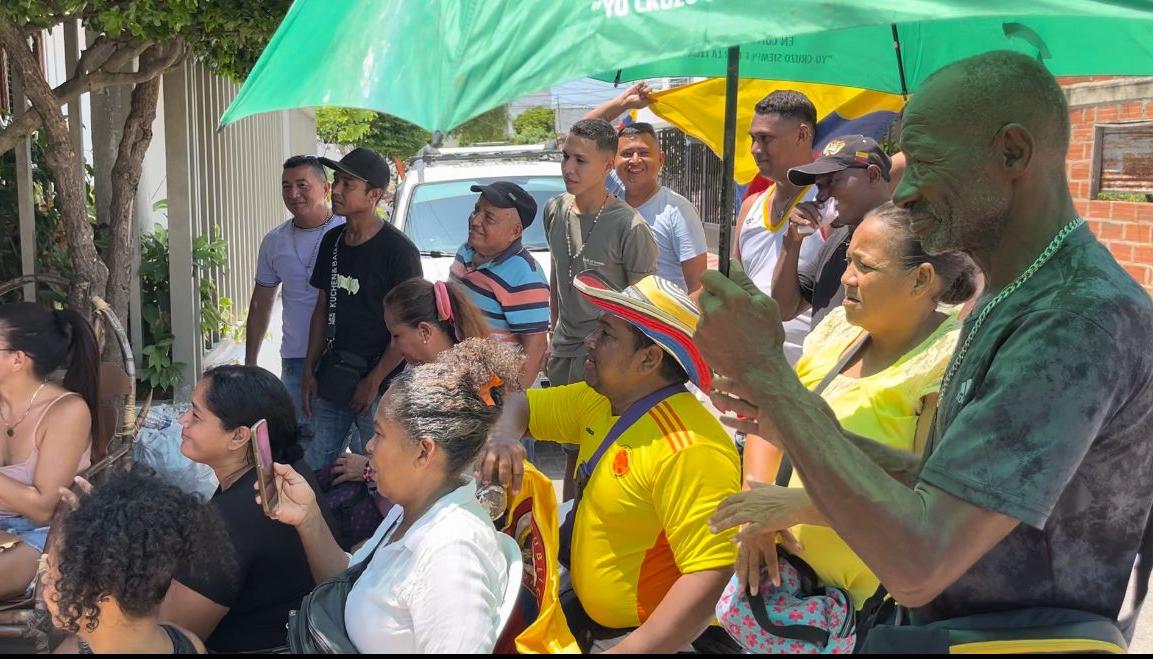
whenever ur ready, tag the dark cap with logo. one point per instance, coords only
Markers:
(845, 152)
(364, 164)
(503, 194)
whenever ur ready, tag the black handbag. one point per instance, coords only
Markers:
(317, 627)
(338, 372)
(338, 375)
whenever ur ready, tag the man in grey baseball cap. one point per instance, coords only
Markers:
(852, 177)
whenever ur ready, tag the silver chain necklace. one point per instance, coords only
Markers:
(1054, 245)
(316, 247)
(579, 254)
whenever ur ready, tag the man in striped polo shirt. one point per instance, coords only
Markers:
(501, 276)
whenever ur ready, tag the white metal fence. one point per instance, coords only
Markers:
(227, 179)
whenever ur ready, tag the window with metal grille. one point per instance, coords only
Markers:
(1123, 160)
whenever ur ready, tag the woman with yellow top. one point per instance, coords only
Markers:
(892, 341)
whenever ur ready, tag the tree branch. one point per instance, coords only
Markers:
(123, 56)
(89, 275)
(26, 123)
(126, 173)
(18, 127)
(94, 55)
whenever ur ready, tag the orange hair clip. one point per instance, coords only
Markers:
(486, 389)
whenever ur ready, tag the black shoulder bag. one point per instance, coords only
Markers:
(318, 626)
(339, 371)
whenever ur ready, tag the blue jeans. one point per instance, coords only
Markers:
(32, 533)
(335, 428)
(291, 373)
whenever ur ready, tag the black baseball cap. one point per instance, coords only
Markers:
(364, 164)
(504, 194)
(845, 152)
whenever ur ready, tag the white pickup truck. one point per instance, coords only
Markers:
(434, 201)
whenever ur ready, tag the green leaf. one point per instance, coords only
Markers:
(491, 126)
(387, 135)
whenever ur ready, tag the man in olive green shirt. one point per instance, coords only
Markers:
(589, 229)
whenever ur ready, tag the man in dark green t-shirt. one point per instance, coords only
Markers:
(1038, 479)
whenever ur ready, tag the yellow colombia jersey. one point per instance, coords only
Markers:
(643, 518)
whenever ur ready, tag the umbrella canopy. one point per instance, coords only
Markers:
(1092, 43)
(438, 63)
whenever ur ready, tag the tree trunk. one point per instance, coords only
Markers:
(91, 275)
(125, 181)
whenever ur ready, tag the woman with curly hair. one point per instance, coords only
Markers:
(435, 574)
(112, 559)
(244, 612)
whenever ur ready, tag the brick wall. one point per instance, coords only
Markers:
(1125, 227)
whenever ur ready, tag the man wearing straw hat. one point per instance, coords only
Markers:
(654, 464)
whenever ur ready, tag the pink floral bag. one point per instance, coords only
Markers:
(798, 617)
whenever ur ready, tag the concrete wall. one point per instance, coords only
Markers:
(1125, 227)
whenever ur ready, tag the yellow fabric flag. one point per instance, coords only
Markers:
(699, 110)
(538, 622)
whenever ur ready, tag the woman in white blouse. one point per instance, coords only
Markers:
(437, 577)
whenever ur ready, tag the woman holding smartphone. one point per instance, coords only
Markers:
(246, 610)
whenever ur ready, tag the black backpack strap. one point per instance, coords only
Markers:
(353, 572)
(878, 609)
(785, 472)
(809, 585)
(804, 633)
(333, 287)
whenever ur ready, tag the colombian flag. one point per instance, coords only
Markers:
(699, 110)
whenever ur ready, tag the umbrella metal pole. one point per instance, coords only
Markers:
(724, 235)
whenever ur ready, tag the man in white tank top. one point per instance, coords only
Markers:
(782, 138)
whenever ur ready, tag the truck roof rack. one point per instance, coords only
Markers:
(540, 152)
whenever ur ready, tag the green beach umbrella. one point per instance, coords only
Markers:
(437, 63)
(897, 57)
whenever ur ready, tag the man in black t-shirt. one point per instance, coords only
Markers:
(854, 171)
(350, 355)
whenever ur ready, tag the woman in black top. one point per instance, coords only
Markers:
(111, 559)
(247, 611)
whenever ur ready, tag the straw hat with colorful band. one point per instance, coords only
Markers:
(659, 309)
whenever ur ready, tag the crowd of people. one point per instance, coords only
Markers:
(941, 378)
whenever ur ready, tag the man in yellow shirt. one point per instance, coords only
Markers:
(654, 463)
